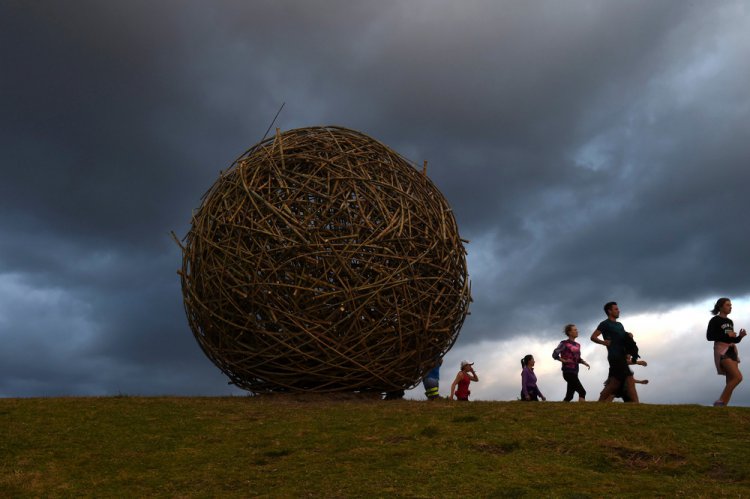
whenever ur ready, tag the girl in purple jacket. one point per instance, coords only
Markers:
(529, 391)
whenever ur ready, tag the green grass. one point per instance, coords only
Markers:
(320, 447)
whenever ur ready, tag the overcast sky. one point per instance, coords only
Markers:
(591, 151)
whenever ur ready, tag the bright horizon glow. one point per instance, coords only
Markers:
(680, 361)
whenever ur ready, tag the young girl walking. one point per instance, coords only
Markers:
(529, 391)
(569, 353)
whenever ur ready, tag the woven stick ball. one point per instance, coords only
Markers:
(324, 261)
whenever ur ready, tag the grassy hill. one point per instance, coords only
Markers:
(346, 447)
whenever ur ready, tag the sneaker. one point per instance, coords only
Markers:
(719, 403)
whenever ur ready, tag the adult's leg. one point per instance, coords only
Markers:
(610, 389)
(734, 378)
(618, 371)
(574, 385)
(579, 388)
(568, 377)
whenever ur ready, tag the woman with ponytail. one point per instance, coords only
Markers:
(721, 331)
(529, 391)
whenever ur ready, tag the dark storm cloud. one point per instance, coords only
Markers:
(591, 151)
(99, 135)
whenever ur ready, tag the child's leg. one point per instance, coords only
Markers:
(630, 390)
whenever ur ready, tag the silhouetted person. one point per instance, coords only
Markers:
(721, 331)
(615, 336)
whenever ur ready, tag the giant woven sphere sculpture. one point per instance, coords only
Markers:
(321, 260)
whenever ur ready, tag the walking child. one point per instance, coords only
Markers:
(529, 390)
